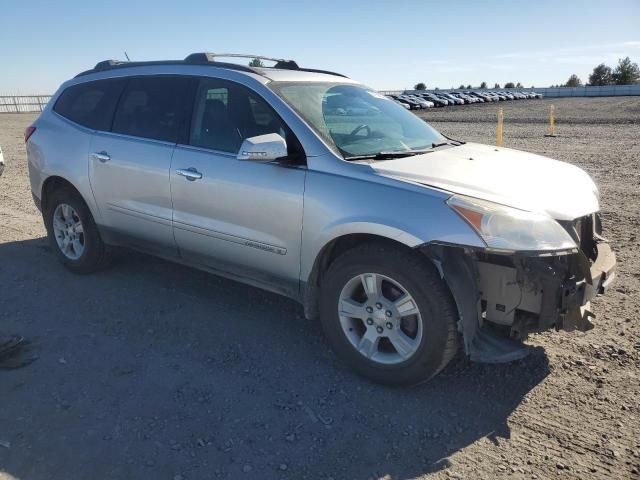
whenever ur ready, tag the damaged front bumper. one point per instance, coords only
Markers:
(578, 290)
(533, 294)
(502, 298)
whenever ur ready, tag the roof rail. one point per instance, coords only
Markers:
(280, 63)
(116, 64)
(107, 64)
(207, 58)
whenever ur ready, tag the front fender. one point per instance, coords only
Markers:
(337, 205)
(371, 226)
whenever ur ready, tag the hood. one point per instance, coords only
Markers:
(502, 175)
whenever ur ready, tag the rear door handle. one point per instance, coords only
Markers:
(102, 156)
(190, 174)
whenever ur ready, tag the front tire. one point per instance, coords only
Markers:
(72, 232)
(387, 313)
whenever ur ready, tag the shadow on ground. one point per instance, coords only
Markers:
(154, 370)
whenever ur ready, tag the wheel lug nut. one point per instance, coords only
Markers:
(369, 321)
(389, 325)
(369, 309)
(379, 329)
(378, 305)
(388, 313)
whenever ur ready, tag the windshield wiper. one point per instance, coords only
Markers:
(387, 155)
(454, 142)
(397, 154)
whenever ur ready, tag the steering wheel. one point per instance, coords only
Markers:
(363, 126)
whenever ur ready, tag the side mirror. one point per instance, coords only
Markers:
(263, 148)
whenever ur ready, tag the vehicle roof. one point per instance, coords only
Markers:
(282, 71)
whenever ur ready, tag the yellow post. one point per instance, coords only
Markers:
(552, 122)
(499, 141)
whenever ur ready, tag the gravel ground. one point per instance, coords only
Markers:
(154, 370)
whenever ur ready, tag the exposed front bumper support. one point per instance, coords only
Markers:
(577, 293)
(603, 271)
(509, 296)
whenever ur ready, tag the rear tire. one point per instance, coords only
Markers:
(409, 324)
(72, 232)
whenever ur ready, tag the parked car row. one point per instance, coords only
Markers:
(418, 100)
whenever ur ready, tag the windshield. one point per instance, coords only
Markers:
(356, 120)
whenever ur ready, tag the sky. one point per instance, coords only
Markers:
(386, 45)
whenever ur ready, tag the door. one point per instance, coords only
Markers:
(129, 167)
(238, 217)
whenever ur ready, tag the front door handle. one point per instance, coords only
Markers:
(190, 174)
(102, 156)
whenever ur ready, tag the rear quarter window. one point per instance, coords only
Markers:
(90, 104)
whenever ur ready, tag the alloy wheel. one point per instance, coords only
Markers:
(68, 231)
(380, 318)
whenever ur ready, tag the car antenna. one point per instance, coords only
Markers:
(125, 54)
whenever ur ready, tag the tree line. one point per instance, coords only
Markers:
(423, 86)
(625, 73)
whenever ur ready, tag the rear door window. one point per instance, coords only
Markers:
(90, 104)
(153, 107)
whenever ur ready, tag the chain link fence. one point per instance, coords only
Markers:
(23, 103)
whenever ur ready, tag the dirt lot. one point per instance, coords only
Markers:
(152, 370)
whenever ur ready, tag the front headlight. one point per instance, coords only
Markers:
(506, 228)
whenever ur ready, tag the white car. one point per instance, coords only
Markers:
(423, 103)
(452, 99)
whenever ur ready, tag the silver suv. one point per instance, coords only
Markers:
(400, 240)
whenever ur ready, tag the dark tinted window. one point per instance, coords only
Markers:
(226, 113)
(153, 107)
(90, 104)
